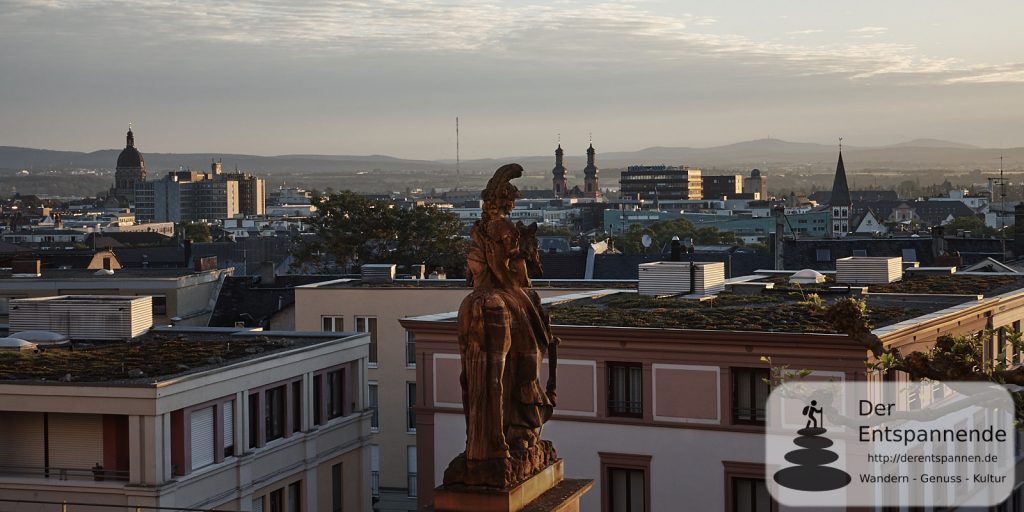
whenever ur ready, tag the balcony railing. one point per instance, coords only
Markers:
(375, 484)
(57, 473)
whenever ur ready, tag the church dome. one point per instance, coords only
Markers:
(130, 157)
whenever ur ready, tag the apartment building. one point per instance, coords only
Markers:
(376, 305)
(661, 398)
(199, 418)
(186, 196)
(660, 183)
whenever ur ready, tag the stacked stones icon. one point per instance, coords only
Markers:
(811, 472)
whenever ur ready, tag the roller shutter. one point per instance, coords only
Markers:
(76, 440)
(201, 421)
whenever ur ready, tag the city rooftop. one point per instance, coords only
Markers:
(155, 356)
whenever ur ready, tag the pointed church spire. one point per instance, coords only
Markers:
(840, 188)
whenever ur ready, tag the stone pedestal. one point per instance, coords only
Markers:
(547, 491)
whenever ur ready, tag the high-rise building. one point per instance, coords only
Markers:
(252, 192)
(186, 196)
(660, 183)
(131, 170)
(718, 187)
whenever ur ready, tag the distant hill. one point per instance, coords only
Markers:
(769, 154)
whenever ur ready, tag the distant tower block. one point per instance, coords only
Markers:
(131, 170)
(216, 167)
(591, 186)
(559, 182)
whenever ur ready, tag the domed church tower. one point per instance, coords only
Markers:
(559, 182)
(590, 180)
(131, 169)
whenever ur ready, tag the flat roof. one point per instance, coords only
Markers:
(82, 273)
(596, 284)
(784, 307)
(152, 357)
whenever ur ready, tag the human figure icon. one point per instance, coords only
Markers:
(810, 411)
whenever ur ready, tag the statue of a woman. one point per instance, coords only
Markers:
(503, 335)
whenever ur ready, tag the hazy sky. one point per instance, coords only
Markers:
(389, 77)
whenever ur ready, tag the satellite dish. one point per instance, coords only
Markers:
(646, 240)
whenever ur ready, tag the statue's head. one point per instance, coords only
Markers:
(500, 194)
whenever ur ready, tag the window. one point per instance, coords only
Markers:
(369, 324)
(1001, 346)
(625, 494)
(745, 489)
(296, 406)
(750, 495)
(254, 420)
(411, 465)
(625, 389)
(749, 395)
(294, 500)
(372, 398)
(336, 488)
(375, 470)
(625, 482)
(824, 254)
(909, 254)
(275, 501)
(335, 393)
(318, 396)
(275, 413)
(257, 504)
(332, 323)
(410, 415)
(229, 428)
(202, 437)
(860, 252)
(410, 349)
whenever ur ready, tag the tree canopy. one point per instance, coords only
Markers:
(661, 234)
(952, 358)
(971, 223)
(352, 230)
(196, 231)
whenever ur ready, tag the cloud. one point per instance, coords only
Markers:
(602, 34)
(869, 30)
(805, 32)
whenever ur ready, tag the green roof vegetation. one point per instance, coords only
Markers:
(145, 359)
(771, 312)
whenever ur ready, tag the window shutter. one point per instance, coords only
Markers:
(201, 421)
(229, 424)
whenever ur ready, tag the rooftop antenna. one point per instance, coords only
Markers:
(840, 144)
(458, 170)
(1002, 198)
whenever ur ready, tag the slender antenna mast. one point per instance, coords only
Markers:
(1002, 197)
(458, 171)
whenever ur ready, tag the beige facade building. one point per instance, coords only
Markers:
(661, 400)
(199, 418)
(352, 304)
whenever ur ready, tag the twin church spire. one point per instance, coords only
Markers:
(560, 182)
